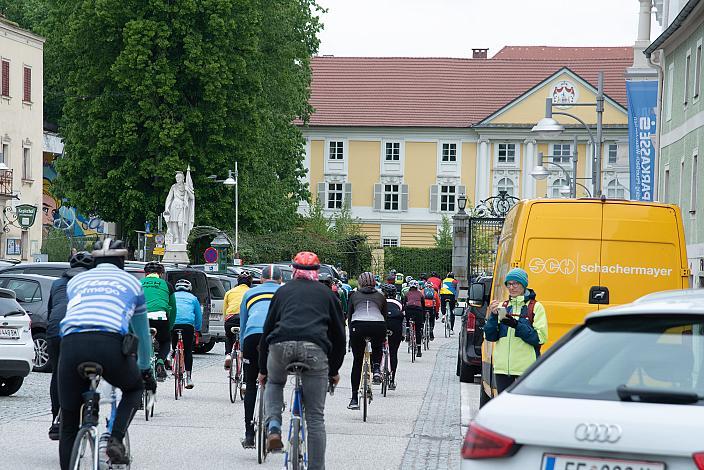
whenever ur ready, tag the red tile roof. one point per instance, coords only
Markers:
(446, 92)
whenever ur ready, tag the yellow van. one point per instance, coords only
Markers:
(583, 255)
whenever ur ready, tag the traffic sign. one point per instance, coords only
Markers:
(159, 239)
(211, 255)
(159, 251)
(210, 267)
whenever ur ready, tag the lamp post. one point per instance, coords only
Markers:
(548, 127)
(233, 180)
(460, 245)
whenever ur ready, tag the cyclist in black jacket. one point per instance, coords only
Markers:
(394, 322)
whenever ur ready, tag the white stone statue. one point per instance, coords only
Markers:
(179, 210)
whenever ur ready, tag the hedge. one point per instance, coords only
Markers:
(414, 261)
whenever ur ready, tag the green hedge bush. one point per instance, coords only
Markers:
(414, 261)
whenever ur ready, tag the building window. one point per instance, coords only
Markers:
(393, 151)
(334, 196)
(679, 197)
(613, 153)
(391, 197)
(697, 71)
(615, 190)
(26, 164)
(5, 78)
(449, 152)
(447, 198)
(5, 157)
(558, 186)
(506, 184)
(507, 153)
(389, 242)
(336, 150)
(693, 201)
(687, 70)
(27, 95)
(561, 153)
(670, 80)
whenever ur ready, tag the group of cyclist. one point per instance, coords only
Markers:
(100, 313)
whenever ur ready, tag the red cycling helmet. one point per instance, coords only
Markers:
(306, 260)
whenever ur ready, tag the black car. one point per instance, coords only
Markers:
(471, 334)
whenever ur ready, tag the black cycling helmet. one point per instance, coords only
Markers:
(82, 259)
(451, 275)
(389, 290)
(244, 277)
(325, 278)
(391, 278)
(272, 272)
(154, 267)
(433, 274)
(423, 276)
(343, 276)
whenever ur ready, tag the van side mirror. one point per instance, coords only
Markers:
(476, 294)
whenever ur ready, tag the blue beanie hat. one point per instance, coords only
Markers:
(518, 275)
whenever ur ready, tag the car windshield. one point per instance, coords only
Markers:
(663, 355)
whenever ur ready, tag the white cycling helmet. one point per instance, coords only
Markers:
(413, 284)
(183, 284)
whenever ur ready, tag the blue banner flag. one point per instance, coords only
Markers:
(642, 117)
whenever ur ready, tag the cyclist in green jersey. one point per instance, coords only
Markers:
(161, 311)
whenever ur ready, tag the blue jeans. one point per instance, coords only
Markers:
(315, 385)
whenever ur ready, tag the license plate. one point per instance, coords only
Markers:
(215, 316)
(11, 333)
(576, 462)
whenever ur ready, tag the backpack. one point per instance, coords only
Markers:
(429, 297)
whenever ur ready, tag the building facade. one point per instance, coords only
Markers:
(21, 140)
(397, 140)
(678, 51)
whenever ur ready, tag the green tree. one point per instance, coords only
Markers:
(444, 237)
(151, 86)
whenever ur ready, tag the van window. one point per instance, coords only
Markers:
(217, 292)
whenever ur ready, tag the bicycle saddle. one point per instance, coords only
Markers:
(235, 330)
(297, 367)
(86, 369)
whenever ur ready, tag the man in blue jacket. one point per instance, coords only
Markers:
(253, 313)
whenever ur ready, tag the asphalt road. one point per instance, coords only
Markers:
(416, 426)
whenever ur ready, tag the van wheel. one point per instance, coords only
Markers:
(10, 385)
(483, 397)
(204, 348)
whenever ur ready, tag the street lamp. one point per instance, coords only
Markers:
(233, 180)
(540, 173)
(461, 202)
(548, 127)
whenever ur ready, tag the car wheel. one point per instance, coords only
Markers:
(10, 385)
(466, 372)
(204, 348)
(457, 373)
(41, 353)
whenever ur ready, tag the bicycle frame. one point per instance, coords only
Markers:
(297, 416)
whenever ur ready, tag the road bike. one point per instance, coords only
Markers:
(386, 365)
(426, 330)
(366, 382)
(178, 366)
(89, 450)
(236, 372)
(412, 339)
(447, 318)
(149, 397)
(260, 425)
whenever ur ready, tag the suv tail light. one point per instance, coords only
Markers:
(481, 443)
(471, 322)
(699, 460)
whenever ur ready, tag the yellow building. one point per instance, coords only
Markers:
(398, 139)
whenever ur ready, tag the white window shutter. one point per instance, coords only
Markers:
(321, 194)
(377, 197)
(434, 198)
(404, 197)
(347, 198)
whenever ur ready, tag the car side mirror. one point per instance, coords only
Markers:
(476, 294)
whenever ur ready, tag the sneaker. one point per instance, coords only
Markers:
(419, 353)
(273, 440)
(376, 379)
(189, 382)
(228, 361)
(248, 441)
(54, 431)
(392, 386)
(354, 404)
(116, 452)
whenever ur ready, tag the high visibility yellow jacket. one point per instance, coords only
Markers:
(233, 299)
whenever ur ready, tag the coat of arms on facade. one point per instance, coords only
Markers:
(565, 93)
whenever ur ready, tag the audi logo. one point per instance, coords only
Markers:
(593, 432)
(552, 266)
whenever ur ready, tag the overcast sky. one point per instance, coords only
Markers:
(451, 28)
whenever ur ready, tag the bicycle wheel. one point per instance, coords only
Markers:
(84, 455)
(231, 379)
(384, 380)
(176, 370)
(145, 399)
(240, 376)
(128, 453)
(259, 426)
(447, 326)
(365, 386)
(294, 454)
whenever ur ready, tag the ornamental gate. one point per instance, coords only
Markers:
(485, 223)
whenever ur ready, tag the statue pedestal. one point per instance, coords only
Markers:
(176, 253)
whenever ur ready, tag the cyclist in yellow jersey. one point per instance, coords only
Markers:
(231, 311)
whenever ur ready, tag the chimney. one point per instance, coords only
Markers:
(479, 53)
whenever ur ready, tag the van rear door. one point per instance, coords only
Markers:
(560, 242)
(640, 251)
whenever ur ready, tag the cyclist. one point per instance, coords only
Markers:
(103, 303)
(431, 305)
(189, 317)
(366, 319)
(413, 308)
(399, 282)
(394, 322)
(231, 311)
(435, 279)
(406, 287)
(161, 310)
(304, 324)
(345, 285)
(448, 295)
(253, 313)
(58, 302)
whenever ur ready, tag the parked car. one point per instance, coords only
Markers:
(32, 293)
(16, 345)
(472, 317)
(201, 289)
(217, 299)
(286, 269)
(57, 268)
(624, 390)
(235, 271)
